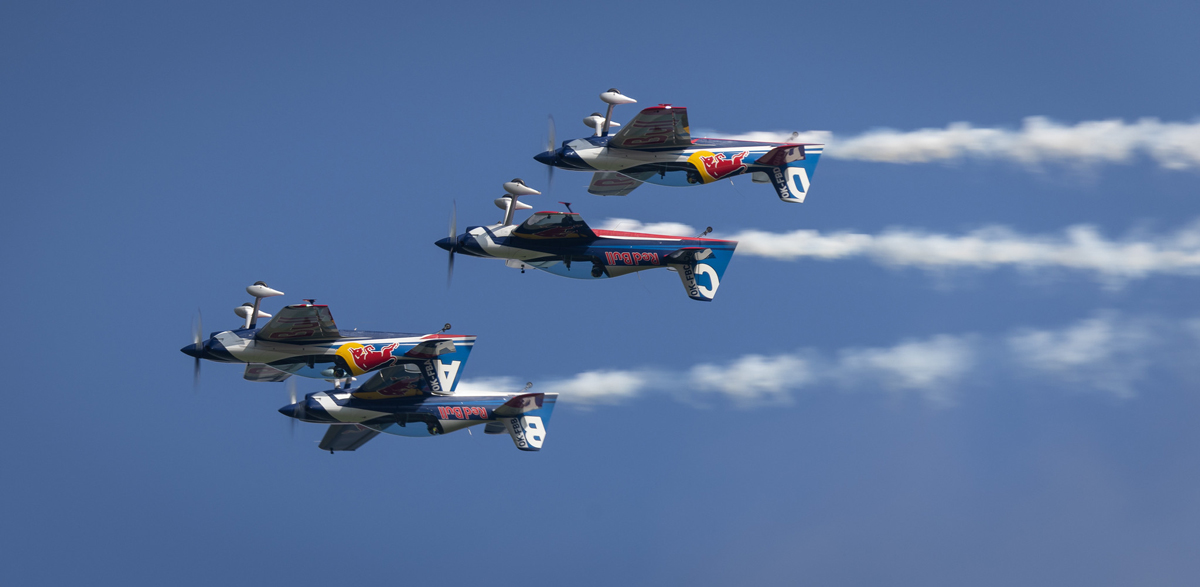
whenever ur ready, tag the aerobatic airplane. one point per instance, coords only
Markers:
(562, 243)
(402, 400)
(657, 147)
(302, 339)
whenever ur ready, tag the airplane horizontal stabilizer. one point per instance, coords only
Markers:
(526, 402)
(431, 348)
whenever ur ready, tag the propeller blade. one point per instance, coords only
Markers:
(197, 338)
(453, 235)
(291, 387)
(550, 147)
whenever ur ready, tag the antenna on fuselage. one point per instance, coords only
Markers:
(707, 230)
(509, 203)
(568, 205)
(612, 97)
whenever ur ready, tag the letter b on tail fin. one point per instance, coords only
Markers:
(528, 432)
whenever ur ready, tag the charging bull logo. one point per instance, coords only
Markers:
(402, 386)
(363, 358)
(714, 166)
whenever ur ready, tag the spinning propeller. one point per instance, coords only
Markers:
(197, 339)
(550, 147)
(299, 409)
(453, 237)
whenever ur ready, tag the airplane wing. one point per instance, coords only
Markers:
(300, 322)
(611, 183)
(344, 437)
(658, 126)
(264, 372)
(554, 225)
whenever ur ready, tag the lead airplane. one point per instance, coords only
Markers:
(657, 147)
(402, 400)
(563, 244)
(302, 339)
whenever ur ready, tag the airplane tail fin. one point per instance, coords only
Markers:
(700, 269)
(524, 417)
(790, 168)
(444, 357)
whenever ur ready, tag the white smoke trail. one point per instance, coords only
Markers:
(1173, 145)
(1080, 247)
(1108, 354)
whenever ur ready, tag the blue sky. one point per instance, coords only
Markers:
(970, 392)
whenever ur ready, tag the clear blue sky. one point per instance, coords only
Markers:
(159, 158)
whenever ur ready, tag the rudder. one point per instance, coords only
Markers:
(790, 169)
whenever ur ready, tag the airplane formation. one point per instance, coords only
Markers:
(412, 378)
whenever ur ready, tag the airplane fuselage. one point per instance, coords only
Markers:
(613, 254)
(356, 353)
(521, 415)
(704, 161)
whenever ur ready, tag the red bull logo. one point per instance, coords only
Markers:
(462, 412)
(718, 166)
(629, 258)
(362, 358)
(367, 358)
(714, 166)
(403, 387)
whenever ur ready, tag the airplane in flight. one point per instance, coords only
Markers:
(657, 147)
(302, 339)
(402, 400)
(563, 244)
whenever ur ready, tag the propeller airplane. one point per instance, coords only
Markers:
(562, 243)
(657, 147)
(401, 400)
(302, 339)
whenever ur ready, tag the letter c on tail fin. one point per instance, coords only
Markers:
(696, 288)
(700, 269)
